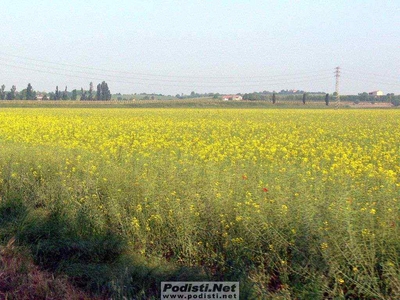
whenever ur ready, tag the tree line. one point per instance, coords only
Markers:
(320, 97)
(193, 94)
(25, 94)
(273, 97)
(103, 93)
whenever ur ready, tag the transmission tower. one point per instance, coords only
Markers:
(337, 75)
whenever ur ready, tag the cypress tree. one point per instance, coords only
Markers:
(65, 94)
(29, 92)
(83, 94)
(98, 94)
(2, 92)
(90, 97)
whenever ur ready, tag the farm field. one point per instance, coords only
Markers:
(300, 204)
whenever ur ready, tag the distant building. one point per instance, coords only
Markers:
(376, 93)
(39, 97)
(232, 97)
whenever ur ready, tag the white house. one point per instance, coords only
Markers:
(39, 96)
(231, 97)
(376, 93)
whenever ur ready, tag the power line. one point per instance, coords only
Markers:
(153, 83)
(372, 81)
(364, 74)
(45, 69)
(161, 75)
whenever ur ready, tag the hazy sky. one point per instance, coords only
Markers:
(221, 46)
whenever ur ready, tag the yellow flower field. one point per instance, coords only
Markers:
(294, 203)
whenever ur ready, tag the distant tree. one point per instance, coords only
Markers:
(57, 95)
(254, 96)
(273, 98)
(11, 95)
(327, 99)
(395, 100)
(45, 97)
(90, 96)
(65, 94)
(364, 96)
(30, 94)
(178, 96)
(74, 95)
(83, 95)
(304, 98)
(105, 93)
(21, 95)
(98, 94)
(2, 92)
(51, 96)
